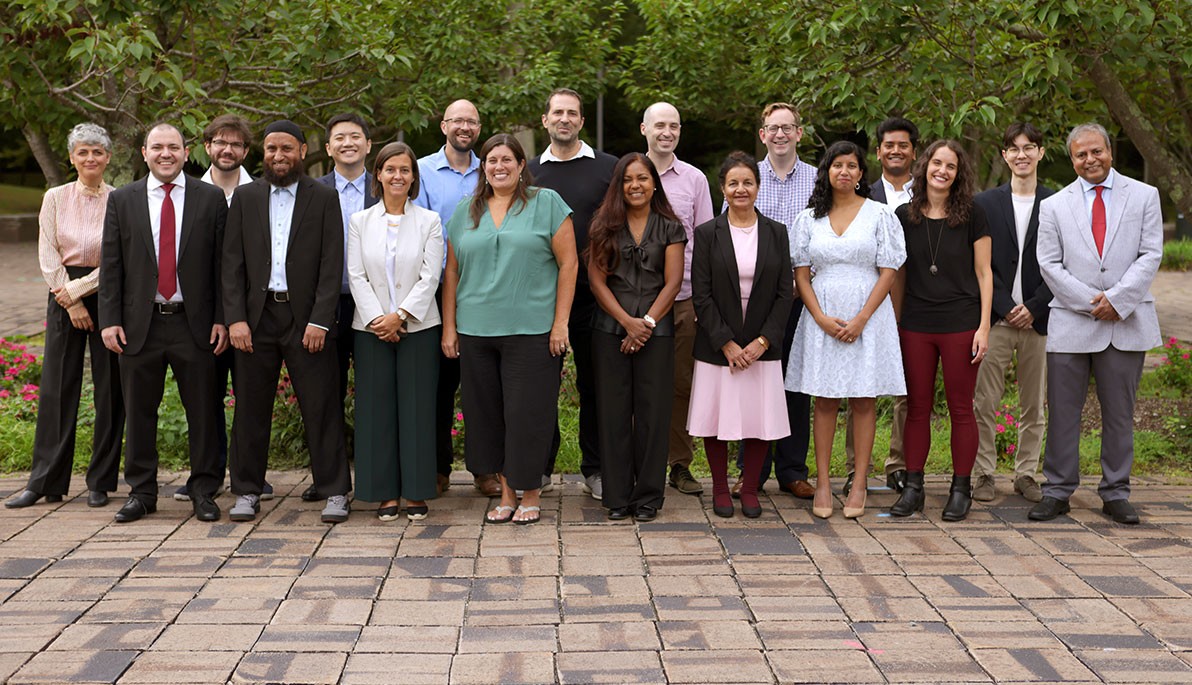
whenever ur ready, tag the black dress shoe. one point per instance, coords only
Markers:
(27, 498)
(896, 480)
(133, 510)
(1049, 508)
(97, 498)
(205, 508)
(1121, 511)
(311, 494)
(618, 513)
(645, 514)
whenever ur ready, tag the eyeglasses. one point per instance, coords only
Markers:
(461, 121)
(1028, 149)
(219, 143)
(775, 128)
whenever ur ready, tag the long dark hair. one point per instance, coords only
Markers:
(960, 195)
(521, 194)
(610, 220)
(821, 195)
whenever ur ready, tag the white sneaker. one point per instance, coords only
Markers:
(245, 509)
(594, 486)
(337, 509)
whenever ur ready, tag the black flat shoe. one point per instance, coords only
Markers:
(751, 512)
(311, 494)
(1121, 511)
(205, 508)
(133, 510)
(618, 513)
(27, 498)
(97, 498)
(725, 512)
(1049, 508)
(388, 513)
(645, 514)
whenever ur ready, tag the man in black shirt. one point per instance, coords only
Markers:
(581, 175)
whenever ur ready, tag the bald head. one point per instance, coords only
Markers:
(661, 127)
(461, 125)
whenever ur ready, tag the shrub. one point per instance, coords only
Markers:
(1005, 433)
(1177, 255)
(1176, 370)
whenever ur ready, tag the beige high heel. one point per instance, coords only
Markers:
(823, 512)
(856, 512)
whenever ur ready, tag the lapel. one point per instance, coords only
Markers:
(374, 234)
(1121, 195)
(1005, 218)
(140, 200)
(763, 247)
(189, 208)
(724, 240)
(369, 198)
(1082, 219)
(301, 200)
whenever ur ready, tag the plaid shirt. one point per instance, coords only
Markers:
(782, 199)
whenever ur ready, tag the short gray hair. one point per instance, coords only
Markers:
(1088, 128)
(88, 133)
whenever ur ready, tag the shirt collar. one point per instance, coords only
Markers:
(1085, 186)
(439, 159)
(84, 190)
(585, 150)
(674, 167)
(245, 177)
(341, 182)
(769, 166)
(153, 182)
(291, 189)
(890, 186)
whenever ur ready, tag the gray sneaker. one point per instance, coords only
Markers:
(1028, 488)
(336, 510)
(983, 489)
(594, 486)
(245, 509)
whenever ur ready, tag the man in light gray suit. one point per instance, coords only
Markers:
(1100, 243)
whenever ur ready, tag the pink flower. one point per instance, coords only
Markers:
(1184, 356)
(4, 394)
(459, 416)
(1011, 448)
(454, 432)
(29, 387)
(1000, 428)
(1172, 340)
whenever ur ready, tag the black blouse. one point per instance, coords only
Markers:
(640, 274)
(948, 301)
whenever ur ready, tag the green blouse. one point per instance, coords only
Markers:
(508, 275)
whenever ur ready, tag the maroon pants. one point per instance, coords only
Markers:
(921, 355)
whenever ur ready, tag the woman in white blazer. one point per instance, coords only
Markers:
(395, 260)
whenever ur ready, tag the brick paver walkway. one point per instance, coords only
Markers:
(575, 599)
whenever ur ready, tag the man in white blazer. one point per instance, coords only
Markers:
(1100, 244)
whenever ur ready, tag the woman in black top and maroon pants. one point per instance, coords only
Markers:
(943, 295)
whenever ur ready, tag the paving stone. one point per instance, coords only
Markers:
(708, 634)
(429, 567)
(263, 587)
(610, 637)
(1005, 543)
(55, 589)
(349, 567)
(680, 544)
(335, 588)
(492, 639)
(982, 609)
(331, 611)
(610, 667)
(922, 666)
(10, 662)
(200, 637)
(41, 613)
(728, 666)
(403, 639)
(1137, 665)
(938, 587)
(856, 564)
(393, 669)
(520, 613)
(87, 567)
(75, 667)
(810, 666)
(870, 586)
(289, 667)
(768, 565)
(574, 587)
(806, 635)
(1045, 586)
(417, 613)
(32, 637)
(447, 547)
(519, 668)
(1027, 664)
(925, 638)
(728, 608)
(426, 588)
(820, 546)
(899, 609)
(1005, 635)
(307, 638)
(939, 565)
(94, 637)
(493, 589)
(235, 610)
(181, 667)
(500, 567)
(607, 609)
(119, 610)
(239, 567)
(794, 608)
(173, 567)
(173, 590)
(687, 565)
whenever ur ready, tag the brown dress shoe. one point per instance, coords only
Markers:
(801, 489)
(736, 489)
(489, 485)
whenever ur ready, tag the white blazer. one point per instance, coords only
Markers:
(1075, 273)
(418, 268)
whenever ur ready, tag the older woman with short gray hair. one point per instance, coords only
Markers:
(69, 242)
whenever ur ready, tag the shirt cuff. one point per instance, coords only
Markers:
(318, 326)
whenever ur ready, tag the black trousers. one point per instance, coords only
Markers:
(278, 338)
(789, 455)
(142, 376)
(224, 364)
(510, 387)
(58, 404)
(579, 333)
(345, 338)
(445, 406)
(634, 393)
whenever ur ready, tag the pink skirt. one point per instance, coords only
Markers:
(735, 405)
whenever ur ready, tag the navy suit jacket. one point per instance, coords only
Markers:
(877, 191)
(999, 213)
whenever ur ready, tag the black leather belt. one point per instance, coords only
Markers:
(277, 296)
(168, 307)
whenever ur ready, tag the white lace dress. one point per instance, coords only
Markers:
(846, 269)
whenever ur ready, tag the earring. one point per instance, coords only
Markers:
(858, 186)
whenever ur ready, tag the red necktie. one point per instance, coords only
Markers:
(1099, 220)
(167, 270)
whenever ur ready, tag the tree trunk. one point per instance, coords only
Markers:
(47, 159)
(1170, 173)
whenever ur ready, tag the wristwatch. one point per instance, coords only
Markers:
(649, 321)
(401, 314)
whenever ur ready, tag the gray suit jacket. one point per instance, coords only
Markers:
(1075, 273)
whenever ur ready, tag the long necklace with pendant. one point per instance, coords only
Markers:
(934, 250)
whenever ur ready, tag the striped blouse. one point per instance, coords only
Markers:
(71, 234)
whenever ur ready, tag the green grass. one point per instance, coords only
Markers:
(1177, 255)
(20, 199)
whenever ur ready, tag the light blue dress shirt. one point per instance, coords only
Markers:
(351, 200)
(442, 187)
(281, 215)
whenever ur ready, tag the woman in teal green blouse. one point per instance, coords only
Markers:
(507, 290)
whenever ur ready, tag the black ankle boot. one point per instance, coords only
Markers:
(911, 499)
(960, 499)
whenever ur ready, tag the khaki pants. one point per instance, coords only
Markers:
(896, 460)
(1031, 349)
(680, 449)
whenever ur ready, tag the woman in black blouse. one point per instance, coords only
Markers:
(943, 296)
(635, 268)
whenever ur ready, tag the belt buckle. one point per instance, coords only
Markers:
(279, 296)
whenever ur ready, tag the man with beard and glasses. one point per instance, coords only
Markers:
(226, 140)
(446, 177)
(283, 262)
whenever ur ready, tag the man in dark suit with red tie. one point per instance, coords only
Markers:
(159, 306)
(282, 269)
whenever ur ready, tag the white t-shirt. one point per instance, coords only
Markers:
(1023, 206)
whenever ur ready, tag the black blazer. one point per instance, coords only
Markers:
(128, 271)
(369, 198)
(314, 257)
(999, 213)
(877, 191)
(716, 290)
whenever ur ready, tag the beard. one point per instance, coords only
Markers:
(226, 163)
(289, 178)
